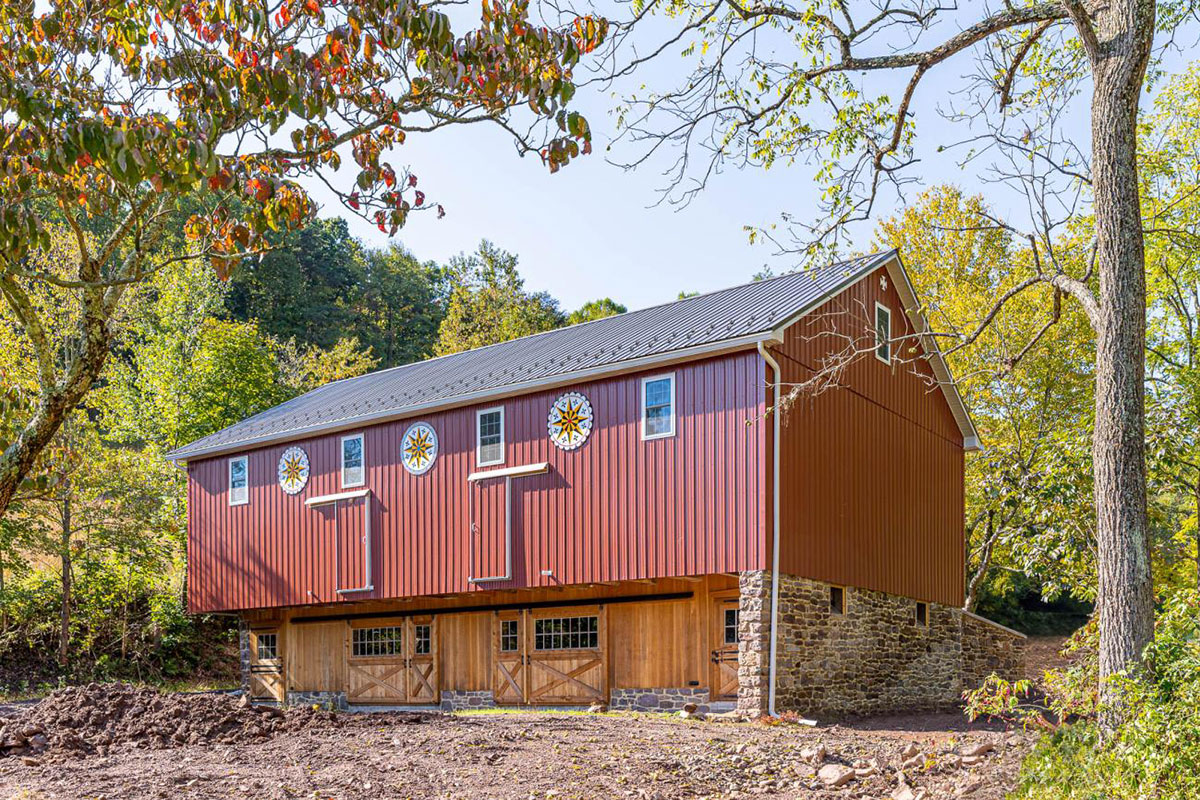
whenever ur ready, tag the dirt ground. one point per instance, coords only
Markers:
(117, 742)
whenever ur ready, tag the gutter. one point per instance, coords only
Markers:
(777, 377)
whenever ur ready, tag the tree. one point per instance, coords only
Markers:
(596, 309)
(774, 82)
(398, 305)
(114, 116)
(301, 287)
(488, 303)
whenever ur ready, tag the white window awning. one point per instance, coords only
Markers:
(511, 472)
(326, 499)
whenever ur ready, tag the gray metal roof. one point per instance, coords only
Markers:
(695, 324)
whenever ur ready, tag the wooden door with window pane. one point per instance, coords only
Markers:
(724, 637)
(509, 672)
(266, 666)
(421, 659)
(566, 655)
(394, 662)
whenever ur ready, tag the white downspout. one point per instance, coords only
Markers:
(774, 526)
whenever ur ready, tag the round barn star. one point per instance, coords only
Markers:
(570, 421)
(293, 470)
(418, 448)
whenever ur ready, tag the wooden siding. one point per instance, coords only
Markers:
(871, 470)
(646, 643)
(617, 508)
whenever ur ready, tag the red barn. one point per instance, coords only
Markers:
(620, 511)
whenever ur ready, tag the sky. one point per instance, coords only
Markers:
(595, 229)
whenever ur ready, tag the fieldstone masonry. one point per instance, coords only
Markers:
(459, 700)
(990, 647)
(334, 701)
(873, 658)
(658, 699)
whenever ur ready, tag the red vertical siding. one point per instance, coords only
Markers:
(617, 508)
(872, 469)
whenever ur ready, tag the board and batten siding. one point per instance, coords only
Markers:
(618, 508)
(871, 469)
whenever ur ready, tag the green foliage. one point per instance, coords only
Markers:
(488, 303)
(596, 309)
(1155, 753)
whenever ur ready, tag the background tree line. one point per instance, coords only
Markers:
(92, 553)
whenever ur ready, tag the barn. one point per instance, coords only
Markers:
(751, 498)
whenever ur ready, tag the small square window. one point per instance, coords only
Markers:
(239, 481)
(658, 406)
(837, 600)
(509, 635)
(268, 646)
(422, 639)
(489, 448)
(731, 626)
(923, 614)
(353, 472)
(883, 333)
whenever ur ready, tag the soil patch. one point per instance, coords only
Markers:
(507, 756)
(104, 718)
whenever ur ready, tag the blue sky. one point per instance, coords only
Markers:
(593, 229)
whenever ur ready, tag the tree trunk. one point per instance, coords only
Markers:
(58, 396)
(64, 633)
(985, 563)
(1123, 36)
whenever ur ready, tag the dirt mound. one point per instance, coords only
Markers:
(99, 718)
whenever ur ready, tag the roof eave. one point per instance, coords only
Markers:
(509, 390)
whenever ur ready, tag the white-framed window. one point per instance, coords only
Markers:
(239, 481)
(422, 639)
(658, 406)
(489, 436)
(354, 472)
(883, 333)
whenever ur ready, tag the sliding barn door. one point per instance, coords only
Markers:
(508, 648)
(351, 543)
(394, 662)
(567, 655)
(489, 518)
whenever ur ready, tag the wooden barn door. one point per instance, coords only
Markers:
(489, 520)
(351, 544)
(421, 659)
(266, 665)
(724, 637)
(567, 655)
(509, 656)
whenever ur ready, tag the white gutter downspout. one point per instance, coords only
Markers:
(762, 349)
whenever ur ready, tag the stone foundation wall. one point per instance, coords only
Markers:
(754, 642)
(331, 700)
(657, 699)
(873, 658)
(989, 647)
(455, 700)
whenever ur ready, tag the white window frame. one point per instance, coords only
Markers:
(229, 481)
(642, 402)
(875, 328)
(479, 462)
(342, 459)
